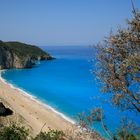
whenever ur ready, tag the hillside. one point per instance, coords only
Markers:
(20, 55)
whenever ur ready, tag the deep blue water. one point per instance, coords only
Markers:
(66, 84)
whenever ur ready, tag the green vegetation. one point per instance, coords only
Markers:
(13, 132)
(50, 135)
(20, 55)
(16, 132)
(118, 69)
(24, 50)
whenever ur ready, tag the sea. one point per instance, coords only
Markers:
(68, 86)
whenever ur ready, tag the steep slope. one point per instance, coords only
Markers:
(20, 55)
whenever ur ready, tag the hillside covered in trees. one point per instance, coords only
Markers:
(20, 55)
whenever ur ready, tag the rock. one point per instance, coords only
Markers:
(5, 111)
(20, 55)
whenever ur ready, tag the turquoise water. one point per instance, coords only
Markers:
(66, 84)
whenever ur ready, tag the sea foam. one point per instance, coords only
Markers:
(34, 98)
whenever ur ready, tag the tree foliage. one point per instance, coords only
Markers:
(118, 65)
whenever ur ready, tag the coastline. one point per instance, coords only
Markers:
(33, 110)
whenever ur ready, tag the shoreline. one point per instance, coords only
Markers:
(34, 98)
(61, 118)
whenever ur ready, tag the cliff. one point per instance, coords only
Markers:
(19, 55)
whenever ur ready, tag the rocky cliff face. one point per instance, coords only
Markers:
(19, 55)
(6, 58)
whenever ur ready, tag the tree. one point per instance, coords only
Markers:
(127, 129)
(118, 65)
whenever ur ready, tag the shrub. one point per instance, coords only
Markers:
(50, 135)
(13, 132)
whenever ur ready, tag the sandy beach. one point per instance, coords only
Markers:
(35, 114)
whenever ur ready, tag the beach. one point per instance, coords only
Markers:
(38, 116)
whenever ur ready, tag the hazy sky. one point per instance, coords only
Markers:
(62, 22)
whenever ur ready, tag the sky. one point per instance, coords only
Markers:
(62, 22)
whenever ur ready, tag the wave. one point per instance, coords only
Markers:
(34, 98)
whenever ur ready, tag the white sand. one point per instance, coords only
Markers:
(32, 111)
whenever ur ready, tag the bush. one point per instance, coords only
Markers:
(13, 132)
(50, 135)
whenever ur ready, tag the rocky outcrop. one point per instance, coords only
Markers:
(5, 111)
(6, 57)
(20, 55)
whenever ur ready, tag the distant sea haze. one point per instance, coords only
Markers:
(66, 84)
